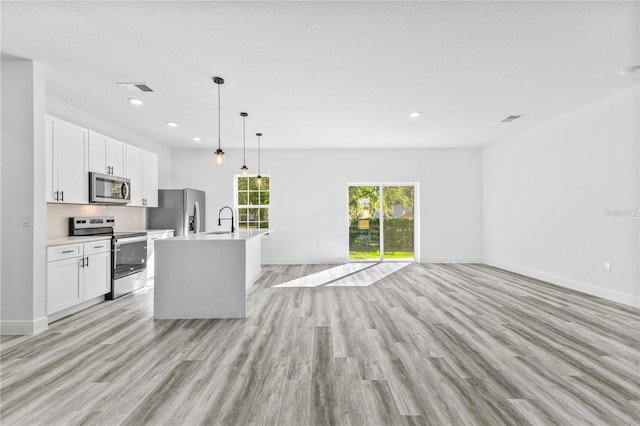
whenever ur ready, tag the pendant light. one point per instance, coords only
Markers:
(259, 177)
(244, 169)
(219, 152)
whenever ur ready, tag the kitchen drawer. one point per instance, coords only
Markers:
(152, 236)
(97, 247)
(66, 251)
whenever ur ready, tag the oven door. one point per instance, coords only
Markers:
(129, 256)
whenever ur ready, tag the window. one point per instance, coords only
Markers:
(252, 202)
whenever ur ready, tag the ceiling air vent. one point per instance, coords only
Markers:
(135, 87)
(511, 118)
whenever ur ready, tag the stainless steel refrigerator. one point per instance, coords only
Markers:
(182, 210)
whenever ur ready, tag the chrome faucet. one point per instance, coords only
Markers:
(233, 228)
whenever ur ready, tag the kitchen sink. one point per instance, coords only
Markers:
(218, 232)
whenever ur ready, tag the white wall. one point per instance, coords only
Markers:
(546, 191)
(61, 109)
(22, 308)
(309, 197)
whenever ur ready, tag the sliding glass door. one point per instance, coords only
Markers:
(381, 222)
(364, 223)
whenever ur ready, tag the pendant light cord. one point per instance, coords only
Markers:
(218, 116)
(244, 142)
(258, 155)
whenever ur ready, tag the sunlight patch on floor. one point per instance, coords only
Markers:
(348, 275)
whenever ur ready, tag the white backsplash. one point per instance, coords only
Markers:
(127, 218)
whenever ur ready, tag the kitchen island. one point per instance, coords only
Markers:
(206, 275)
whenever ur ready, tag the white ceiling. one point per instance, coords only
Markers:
(329, 74)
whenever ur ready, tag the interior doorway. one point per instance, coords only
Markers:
(382, 222)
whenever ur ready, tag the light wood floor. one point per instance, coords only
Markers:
(427, 344)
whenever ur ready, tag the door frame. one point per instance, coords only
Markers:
(416, 220)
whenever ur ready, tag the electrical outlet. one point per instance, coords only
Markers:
(607, 266)
(25, 220)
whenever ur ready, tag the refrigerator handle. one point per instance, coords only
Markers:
(197, 218)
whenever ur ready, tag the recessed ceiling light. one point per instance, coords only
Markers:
(625, 72)
(135, 101)
(172, 124)
(415, 114)
(197, 139)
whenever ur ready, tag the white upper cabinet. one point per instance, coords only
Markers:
(51, 177)
(142, 169)
(72, 151)
(98, 153)
(115, 156)
(149, 179)
(67, 152)
(106, 155)
(133, 171)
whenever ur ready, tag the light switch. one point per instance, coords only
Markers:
(25, 220)
(607, 266)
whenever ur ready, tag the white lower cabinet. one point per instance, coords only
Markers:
(77, 273)
(97, 275)
(64, 287)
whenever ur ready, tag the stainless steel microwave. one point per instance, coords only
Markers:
(109, 189)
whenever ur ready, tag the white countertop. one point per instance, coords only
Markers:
(239, 234)
(58, 241)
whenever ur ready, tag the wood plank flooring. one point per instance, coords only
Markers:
(428, 344)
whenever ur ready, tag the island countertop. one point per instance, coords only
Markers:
(239, 234)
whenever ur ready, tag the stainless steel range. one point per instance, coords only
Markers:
(128, 252)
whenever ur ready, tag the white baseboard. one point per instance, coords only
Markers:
(304, 261)
(24, 327)
(450, 260)
(339, 261)
(615, 296)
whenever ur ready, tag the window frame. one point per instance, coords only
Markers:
(237, 206)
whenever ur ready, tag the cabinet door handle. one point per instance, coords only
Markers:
(87, 261)
(68, 251)
(98, 247)
(82, 265)
(62, 195)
